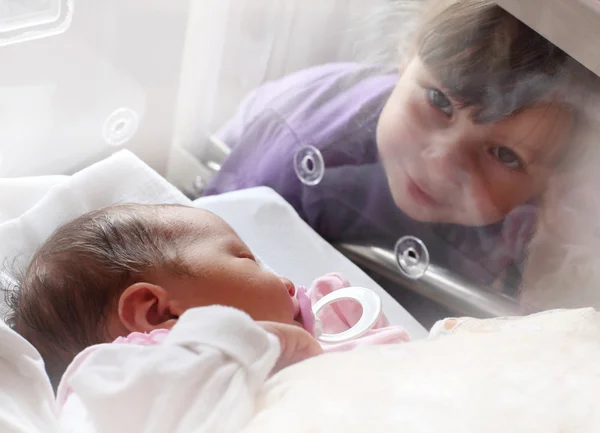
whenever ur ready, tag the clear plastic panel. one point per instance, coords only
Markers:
(453, 158)
(403, 126)
(22, 20)
(318, 147)
(82, 79)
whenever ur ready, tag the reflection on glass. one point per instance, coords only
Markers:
(455, 147)
(24, 20)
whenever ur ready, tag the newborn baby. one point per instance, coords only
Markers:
(137, 268)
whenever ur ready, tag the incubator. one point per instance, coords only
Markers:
(440, 155)
(221, 96)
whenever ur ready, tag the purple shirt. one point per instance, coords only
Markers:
(335, 108)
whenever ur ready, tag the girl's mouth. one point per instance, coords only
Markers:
(421, 195)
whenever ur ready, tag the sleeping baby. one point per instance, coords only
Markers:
(170, 324)
(126, 274)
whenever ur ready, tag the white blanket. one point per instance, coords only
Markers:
(535, 375)
(38, 206)
(26, 398)
(17, 195)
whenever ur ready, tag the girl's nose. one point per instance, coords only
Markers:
(448, 160)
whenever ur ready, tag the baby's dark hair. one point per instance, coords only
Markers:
(487, 59)
(61, 302)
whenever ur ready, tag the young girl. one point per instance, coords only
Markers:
(455, 147)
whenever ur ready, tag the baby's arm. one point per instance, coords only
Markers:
(26, 397)
(203, 378)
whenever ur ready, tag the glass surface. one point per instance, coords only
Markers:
(456, 127)
(473, 141)
(84, 78)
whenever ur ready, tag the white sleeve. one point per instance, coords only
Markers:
(203, 378)
(26, 397)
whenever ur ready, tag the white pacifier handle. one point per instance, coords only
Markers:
(371, 310)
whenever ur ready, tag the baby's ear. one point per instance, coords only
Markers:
(145, 307)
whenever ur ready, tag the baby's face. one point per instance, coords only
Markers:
(225, 272)
(444, 167)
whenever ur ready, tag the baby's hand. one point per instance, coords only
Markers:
(296, 344)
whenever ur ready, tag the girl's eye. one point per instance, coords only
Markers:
(507, 157)
(440, 101)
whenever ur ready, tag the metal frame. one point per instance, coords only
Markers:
(437, 284)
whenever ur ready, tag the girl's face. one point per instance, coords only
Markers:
(443, 167)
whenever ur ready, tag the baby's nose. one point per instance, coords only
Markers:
(290, 286)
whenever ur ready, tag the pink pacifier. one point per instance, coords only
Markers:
(368, 300)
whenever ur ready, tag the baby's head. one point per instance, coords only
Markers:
(129, 268)
(482, 115)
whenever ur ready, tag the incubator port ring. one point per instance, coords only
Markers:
(309, 165)
(120, 127)
(412, 257)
